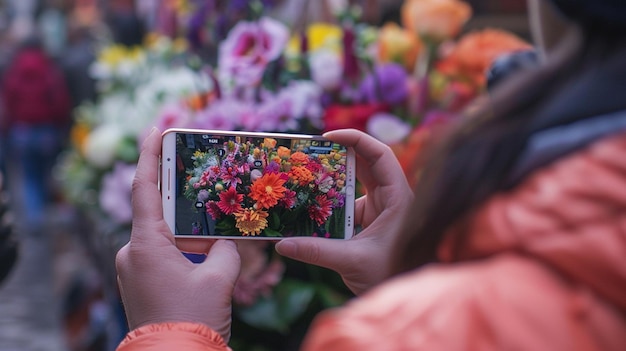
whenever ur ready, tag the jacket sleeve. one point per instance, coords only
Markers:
(173, 336)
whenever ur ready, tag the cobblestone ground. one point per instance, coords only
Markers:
(30, 313)
(54, 271)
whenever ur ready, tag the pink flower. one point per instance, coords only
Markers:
(258, 274)
(115, 193)
(220, 115)
(249, 47)
(172, 115)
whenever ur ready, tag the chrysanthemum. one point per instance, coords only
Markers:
(251, 222)
(267, 190)
(301, 176)
(213, 210)
(289, 200)
(320, 210)
(230, 201)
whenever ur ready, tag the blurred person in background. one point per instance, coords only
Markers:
(515, 239)
(37, 112)
(127, 28)
(76, 61)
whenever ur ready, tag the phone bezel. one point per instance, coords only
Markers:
(167, 180)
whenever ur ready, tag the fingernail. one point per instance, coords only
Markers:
(286, 248)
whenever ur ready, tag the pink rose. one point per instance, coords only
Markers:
(249, 47)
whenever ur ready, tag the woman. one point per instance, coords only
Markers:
(515, 240)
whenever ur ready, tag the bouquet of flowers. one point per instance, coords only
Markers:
(292, 190)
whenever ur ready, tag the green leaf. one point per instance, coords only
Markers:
(263, 315)
(271, 232)
(278, 312)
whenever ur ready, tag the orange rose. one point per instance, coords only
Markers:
(399, 45)
(475, 52)
(435, 19)
(299, 158)
(283, 152)
(269, 143)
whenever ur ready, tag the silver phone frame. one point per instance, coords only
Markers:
(167, 179)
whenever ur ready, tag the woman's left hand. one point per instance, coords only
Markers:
(157, 283)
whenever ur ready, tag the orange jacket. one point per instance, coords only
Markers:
(543, 267)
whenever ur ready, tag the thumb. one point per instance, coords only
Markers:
(223, 258)
(327, 253)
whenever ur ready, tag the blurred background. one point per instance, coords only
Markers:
(83, 80)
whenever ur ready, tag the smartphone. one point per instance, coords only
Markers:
(250, 185)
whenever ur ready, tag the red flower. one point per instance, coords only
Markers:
(321, 209)
(350, 116)
(230, 201)
(289, 200)
(213, 209)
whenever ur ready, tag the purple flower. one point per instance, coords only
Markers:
(203, 195)
(387, 84)
(272, 167)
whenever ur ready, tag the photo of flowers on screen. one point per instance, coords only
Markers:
(260, 187)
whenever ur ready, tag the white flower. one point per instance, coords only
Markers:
(388, 128)
(326, 69)
(337, 6)
(102, 144)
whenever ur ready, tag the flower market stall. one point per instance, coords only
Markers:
(202, 69)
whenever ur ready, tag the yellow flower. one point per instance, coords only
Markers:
(116, 54)
(396, 44)
(319, 35)
(251, 222)
(435, 19)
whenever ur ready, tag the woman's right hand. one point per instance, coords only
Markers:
(362, 261)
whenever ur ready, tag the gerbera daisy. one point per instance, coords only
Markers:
(251, 222)
(267, 190)
(230, 201)
(320, 210)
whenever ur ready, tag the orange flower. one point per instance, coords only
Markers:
(269, 143)
(251, 222)
(283, 152)
(399, 45)
(435, 19)
(301, 175)
(475, 52)
(299, 158)
(78, 136)
(267, 190)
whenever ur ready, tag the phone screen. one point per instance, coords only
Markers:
(258, 185)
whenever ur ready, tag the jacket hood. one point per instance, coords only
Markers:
(31, 63)
(569, 215)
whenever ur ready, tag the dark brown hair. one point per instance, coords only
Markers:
(477, 157)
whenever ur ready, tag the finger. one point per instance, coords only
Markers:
(322, 252)
(223, 258)
(382, 165)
